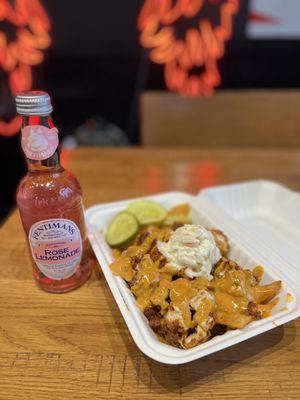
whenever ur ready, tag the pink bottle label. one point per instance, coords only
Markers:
(39, 142)
(56, 247)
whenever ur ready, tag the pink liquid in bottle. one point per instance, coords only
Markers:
(50, 203)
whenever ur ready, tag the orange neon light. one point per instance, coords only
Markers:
(17, 57)
(201, 47)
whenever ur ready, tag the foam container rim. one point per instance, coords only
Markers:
(244, 247)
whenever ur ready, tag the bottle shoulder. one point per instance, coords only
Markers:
(49, 188)
(49, 180)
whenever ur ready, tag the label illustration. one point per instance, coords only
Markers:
(56, 247)
(39, 142)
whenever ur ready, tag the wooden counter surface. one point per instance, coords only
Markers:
(76, 345)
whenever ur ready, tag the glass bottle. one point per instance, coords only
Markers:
(49, 199)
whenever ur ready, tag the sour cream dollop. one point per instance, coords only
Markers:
(191, 248)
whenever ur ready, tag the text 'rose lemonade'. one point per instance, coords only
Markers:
(50, 202)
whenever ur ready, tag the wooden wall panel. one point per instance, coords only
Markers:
(228, 118)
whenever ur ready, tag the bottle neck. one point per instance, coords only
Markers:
(51, 164)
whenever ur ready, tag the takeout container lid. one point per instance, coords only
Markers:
(245, 213)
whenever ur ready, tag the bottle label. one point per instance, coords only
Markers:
(39, 142)
(56, 247)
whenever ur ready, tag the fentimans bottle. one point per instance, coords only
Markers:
(50, 202)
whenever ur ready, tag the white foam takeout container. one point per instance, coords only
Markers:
(260, 233)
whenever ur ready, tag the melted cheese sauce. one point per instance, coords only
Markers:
(233, 297)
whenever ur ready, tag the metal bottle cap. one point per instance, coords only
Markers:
(33, 103)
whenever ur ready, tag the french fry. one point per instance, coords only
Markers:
(266, 293)
(181, 209)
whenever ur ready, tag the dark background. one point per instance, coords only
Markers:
(95, 66)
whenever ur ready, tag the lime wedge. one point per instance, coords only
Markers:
(122, 228)
(147, 212)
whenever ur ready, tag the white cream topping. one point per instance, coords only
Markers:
(192, 248)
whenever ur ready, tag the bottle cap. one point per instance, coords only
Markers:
(33, 103)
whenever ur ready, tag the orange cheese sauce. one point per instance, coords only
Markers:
(233, 297)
